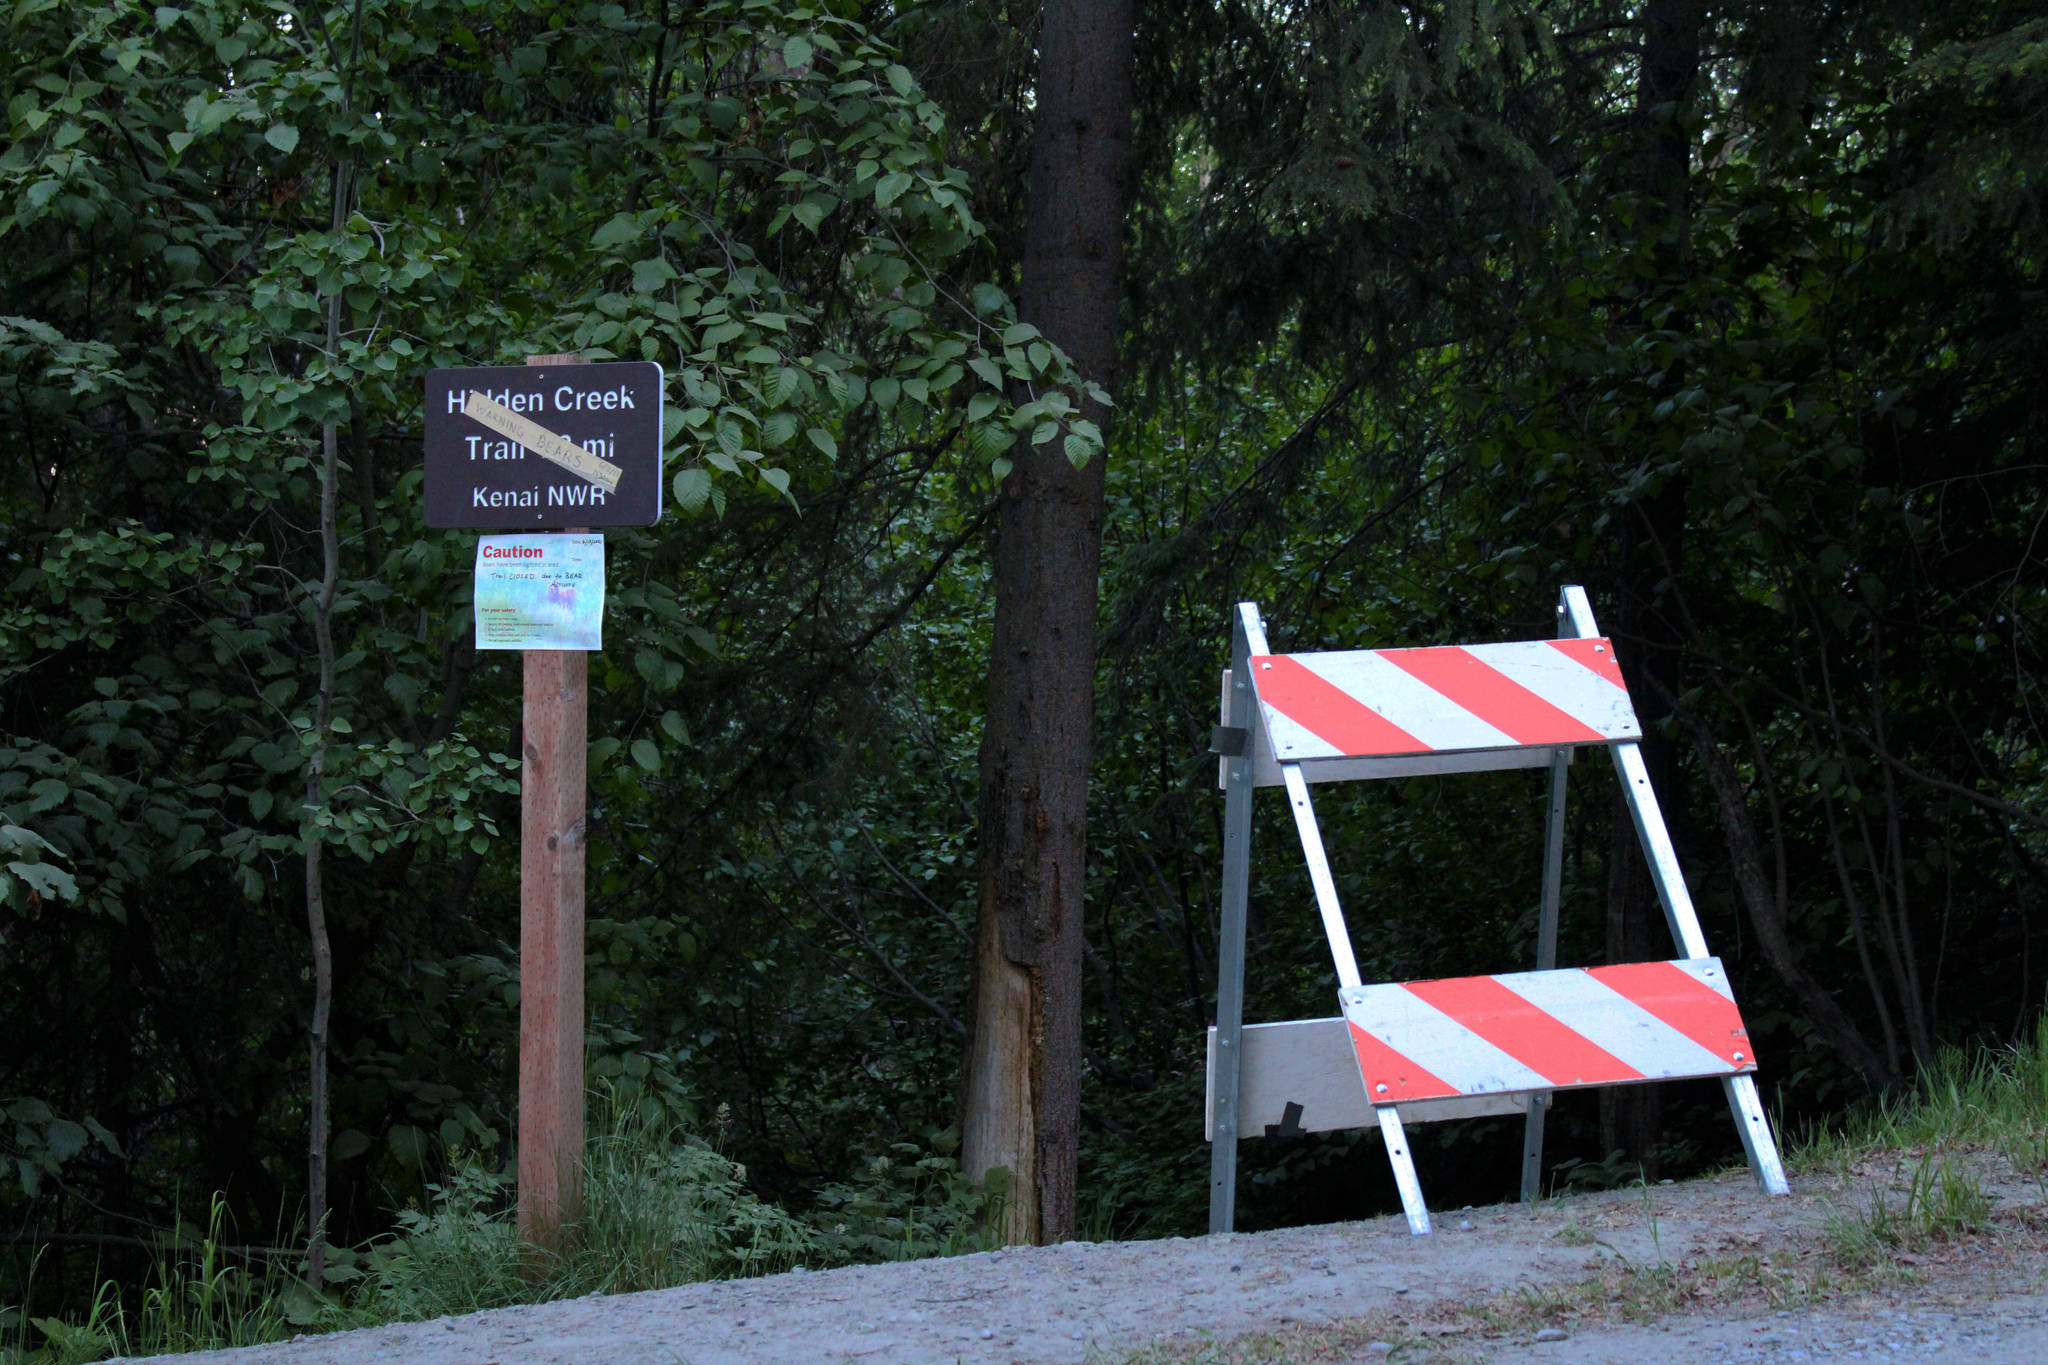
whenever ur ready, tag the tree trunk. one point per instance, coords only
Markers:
(319, 1122)
(1021, 1084)
(1653, 536)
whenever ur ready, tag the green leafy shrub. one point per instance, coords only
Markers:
(458, 1256)
(909, 1203)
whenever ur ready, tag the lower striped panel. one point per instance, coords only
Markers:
(1583, 1026)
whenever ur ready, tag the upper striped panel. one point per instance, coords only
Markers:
(1373, 703)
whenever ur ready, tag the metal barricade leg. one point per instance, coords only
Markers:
(1334, 928)
(1339, 936)
(1743, 1103)
(1546, 959)
(1538, 1104)
(1748, 1109)
(1655, 840)
(1237, 839)
(1396, 1140)
(1755, 1130)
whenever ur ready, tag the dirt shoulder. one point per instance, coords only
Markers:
(1705, 1271)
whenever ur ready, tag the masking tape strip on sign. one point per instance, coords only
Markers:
(542, 442)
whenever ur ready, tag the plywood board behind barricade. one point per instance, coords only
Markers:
(1309, 1062)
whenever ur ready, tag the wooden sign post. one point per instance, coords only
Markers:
(553, 778)
(551, 788)
(593, 435)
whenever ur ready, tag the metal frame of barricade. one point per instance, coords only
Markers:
(1308, 1050)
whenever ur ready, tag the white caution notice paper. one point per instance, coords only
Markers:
(540, 592)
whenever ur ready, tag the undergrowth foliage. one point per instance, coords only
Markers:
(201, 1294)
(663, 1207)
(909, 1203)
(660, 1208)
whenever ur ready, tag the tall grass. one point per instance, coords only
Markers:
(659, 1209)
(196, 1298)
(1942, 1200)
(1995, 1099)
(1991, 1101)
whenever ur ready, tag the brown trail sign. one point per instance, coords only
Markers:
(549, 445)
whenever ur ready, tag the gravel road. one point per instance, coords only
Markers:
(2013, 1331)
(1503, 1284)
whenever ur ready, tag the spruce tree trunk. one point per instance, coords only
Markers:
(1021, 1085)
(1653, 543)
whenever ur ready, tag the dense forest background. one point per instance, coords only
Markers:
(1731, 312)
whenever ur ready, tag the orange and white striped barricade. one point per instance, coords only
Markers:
(1461, 1047)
